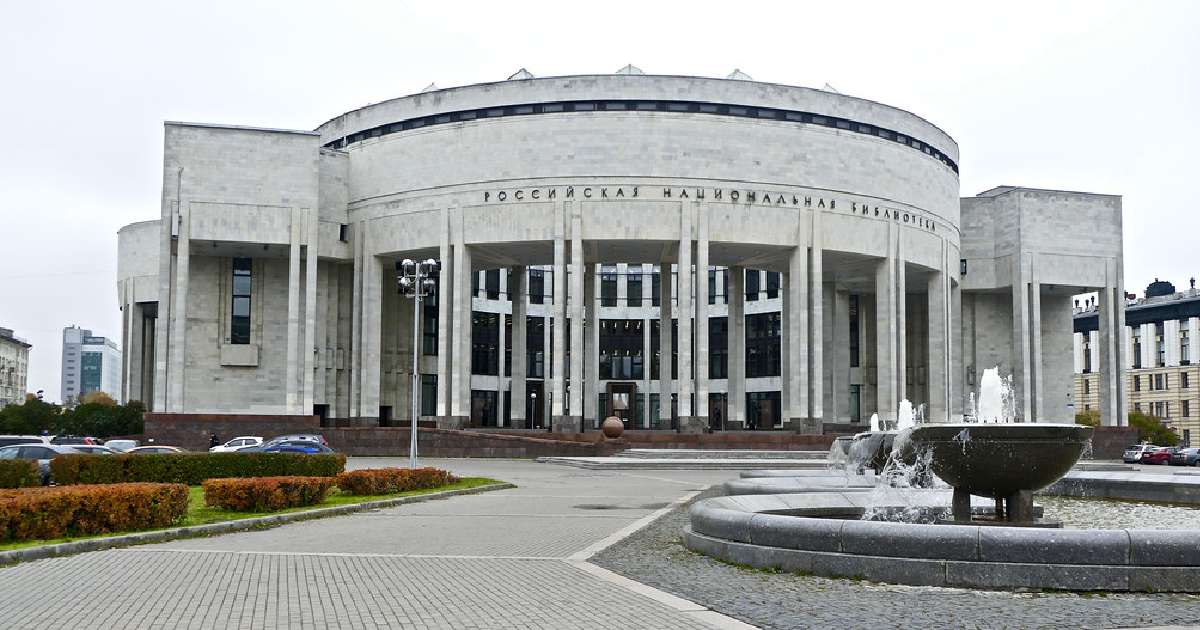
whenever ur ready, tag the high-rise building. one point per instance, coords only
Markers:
(89, 363)
(14, 367)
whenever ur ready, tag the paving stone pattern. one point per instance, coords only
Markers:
(495, 560)
(655, 556)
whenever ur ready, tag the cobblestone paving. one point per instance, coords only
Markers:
(656, 556)
(495, 560)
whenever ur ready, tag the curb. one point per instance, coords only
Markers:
(260, 522)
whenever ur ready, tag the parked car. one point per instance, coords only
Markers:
(72, 440)
(1148, 454)
(93, 449)
(1133, 454)
(122, 446)
(305, 437)
(237, 443)
(1186, 457)
(9, 440)
(43, 453)
(155, 449)
(307, 447)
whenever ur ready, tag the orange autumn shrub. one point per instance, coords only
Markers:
(266, 494)
(62, 511)
(375, 481)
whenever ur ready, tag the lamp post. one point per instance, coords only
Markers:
(416, 281)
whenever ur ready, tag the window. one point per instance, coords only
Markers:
(752, 280)
(718, 347)
(492, 284)
(655, 348)
(763, 345)
(1137, 407)
(773, 285)
(1087, 353)
(1187, 434)
(537, 286)
(1185, 408)
(483, 408)
(1137, 383)
(621, 349)
(343, 232)
(608, 285)
(725, 285)
(1183, 380)
(1159, 346)
(429, 320)
(239, 322)
(1137, 347)
(854, 336)
(1087, 386)
(633, 287)
(655, 288)
(762, 410)
(485, 343)
(535, 351)
(1158, 382)
(507, 322)
(712, 285)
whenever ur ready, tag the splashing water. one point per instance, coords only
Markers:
(991, 397)
(875, 422)
(904, 416)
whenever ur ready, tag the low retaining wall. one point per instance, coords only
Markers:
(754, 531)
(193, 431)
(393, 441)
(718, 440)
(1128, 486)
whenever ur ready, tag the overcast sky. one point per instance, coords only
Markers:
(1089, 96)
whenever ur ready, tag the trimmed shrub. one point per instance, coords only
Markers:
(191, 468)
(266, 494)
(375, 481)
(44, 513)
(19, 473)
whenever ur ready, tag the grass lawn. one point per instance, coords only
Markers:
(200, 514)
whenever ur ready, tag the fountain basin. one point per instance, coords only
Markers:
(1001, 459)
(871, 449)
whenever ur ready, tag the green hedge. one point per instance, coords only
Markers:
(19, 473)
(190, 468)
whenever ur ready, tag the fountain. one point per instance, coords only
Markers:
(997, 457)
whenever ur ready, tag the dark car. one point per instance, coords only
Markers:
(42, 453)
(1159, 455)
(297, 437)
(307, 447)
(1186, 457)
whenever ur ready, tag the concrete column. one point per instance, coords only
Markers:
(310, 314)
(516, 396)
(1035, 307)
(1122, 384)
(839, 409)
(175, 375)
(575, 304)
(687, 422)
(956, 350)
(736, 409)
(1171, 342)
(1110, 413)
(1149, 351)
(291, 386)
(902, 392)
(372, 338)
(664, 344)
(885, 340)
(1022, 373)
(647, 357)
(816, 329)
(591, 347)
(940, 369)
(460, 378)
(558, 358)
(355, 366)
(702, 350)
(796, 355)
(446, 295)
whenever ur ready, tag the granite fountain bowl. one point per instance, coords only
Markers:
(871, 449)
(1001, 459)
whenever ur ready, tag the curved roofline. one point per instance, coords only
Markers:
(649, 75)
(136, 224)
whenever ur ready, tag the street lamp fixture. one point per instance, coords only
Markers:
(416, 280)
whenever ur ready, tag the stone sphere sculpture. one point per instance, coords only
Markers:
(612, 427)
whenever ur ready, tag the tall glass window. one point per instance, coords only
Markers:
(772, 285)
(535, 351)
(537, 286)
(752, 287)
(485, 343)
(718, 347)
(633, 286)
(762, 345)
(608, 285)
(429, 394)
(621, 349)
(429, 320)
(239, 322)
(655, 288)
(854, 332)
(492, 284)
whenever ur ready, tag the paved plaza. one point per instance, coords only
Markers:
(506, 559)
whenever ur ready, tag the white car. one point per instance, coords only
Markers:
(121, 446)
(237, 443)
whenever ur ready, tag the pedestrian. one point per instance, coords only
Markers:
(214, 442)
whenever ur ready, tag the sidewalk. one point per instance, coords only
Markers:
(507, 559)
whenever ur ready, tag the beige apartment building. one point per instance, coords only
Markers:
(1161, 371)
(14, 367)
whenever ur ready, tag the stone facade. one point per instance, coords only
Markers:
(829, 207)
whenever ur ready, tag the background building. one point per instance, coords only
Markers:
(687, 253)
(1160, 368)
(89, 363)
(14, 367)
